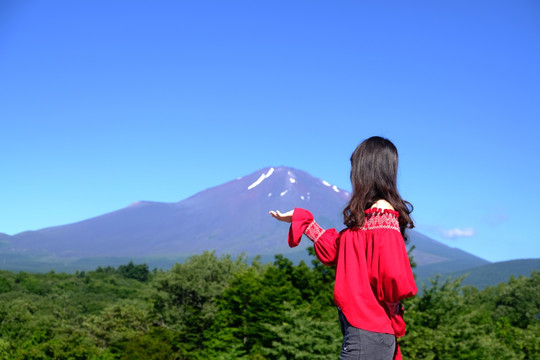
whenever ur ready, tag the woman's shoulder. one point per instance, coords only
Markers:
(382, 204)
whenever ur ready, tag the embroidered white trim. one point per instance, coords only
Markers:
(390, 227)
(314, 231)
(381, 221)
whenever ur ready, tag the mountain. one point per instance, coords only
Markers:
(231, 218)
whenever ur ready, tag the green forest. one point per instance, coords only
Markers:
(212, 307)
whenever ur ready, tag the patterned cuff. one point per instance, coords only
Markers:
(314, 231)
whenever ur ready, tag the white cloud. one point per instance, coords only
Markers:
(457, 233)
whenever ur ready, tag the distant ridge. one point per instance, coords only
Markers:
(495, 273)
(231, 218)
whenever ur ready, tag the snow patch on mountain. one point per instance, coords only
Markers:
(334, 187)
(292, 180)
(261, 178)
(283, 193)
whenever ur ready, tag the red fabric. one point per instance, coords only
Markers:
(373, 272)
(300, 221)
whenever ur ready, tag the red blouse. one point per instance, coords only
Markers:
(373, 273)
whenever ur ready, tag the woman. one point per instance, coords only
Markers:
(373, 273)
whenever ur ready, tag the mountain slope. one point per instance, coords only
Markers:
(433, 257)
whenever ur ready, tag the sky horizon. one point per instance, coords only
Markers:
(104, 104)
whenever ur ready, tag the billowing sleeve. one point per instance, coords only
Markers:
(396, 280)
(325, 242)
(391, 275)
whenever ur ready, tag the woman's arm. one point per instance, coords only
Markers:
(391, 267)
(302, 223)
(285, 217)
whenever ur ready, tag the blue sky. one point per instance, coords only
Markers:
(103, 103)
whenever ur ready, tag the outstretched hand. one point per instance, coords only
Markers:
(286, 217)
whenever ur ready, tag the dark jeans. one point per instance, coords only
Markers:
(363, 344)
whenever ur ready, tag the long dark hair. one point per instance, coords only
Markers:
(374, 166)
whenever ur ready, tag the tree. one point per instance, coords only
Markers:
(132, 271)
(185, 297)
(299, 336)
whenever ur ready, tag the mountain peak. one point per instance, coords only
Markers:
(290, 178)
